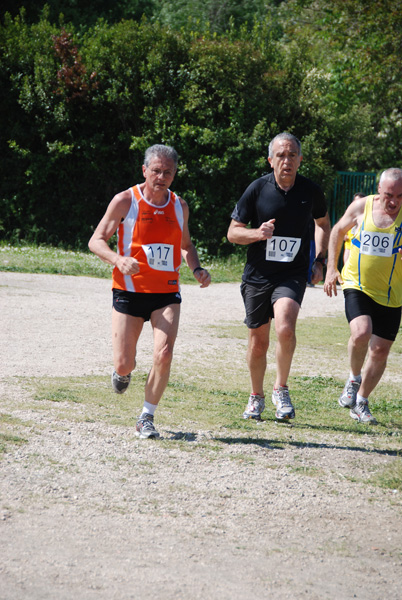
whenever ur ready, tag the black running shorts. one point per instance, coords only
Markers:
(259, 300)
(137, 304)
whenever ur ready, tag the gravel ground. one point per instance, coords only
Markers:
(88, 511)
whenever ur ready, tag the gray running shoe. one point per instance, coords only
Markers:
(120, 382)
(361, 412)
(254, 408)
(284, 406)
(145, 427)
(348, 397)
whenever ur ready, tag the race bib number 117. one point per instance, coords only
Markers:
(282, 249)
(159, 256)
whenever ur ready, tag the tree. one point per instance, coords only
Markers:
(81, 13)
(356, 45)
(215, 16)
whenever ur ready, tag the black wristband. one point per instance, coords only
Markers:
(322, 261)
(198, 269)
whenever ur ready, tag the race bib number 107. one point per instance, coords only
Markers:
(159, 256)
(282, 249)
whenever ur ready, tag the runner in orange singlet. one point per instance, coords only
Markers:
(153, 236)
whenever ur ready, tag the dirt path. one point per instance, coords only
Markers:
(87, 511)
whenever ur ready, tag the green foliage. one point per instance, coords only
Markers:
(85, 92)
(210, 15)
(82, 13)
(356, 44)
(215, 116)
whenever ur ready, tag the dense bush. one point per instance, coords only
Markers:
(83, 98)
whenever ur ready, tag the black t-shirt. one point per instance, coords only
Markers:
(289, 249)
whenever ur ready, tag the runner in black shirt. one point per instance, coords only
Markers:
(273, 218)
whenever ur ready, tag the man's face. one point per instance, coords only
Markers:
(159, 174)
(390, 192)
(285, 161)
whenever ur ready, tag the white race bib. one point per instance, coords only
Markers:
(282, 249)
(376, 244)
(159, 256)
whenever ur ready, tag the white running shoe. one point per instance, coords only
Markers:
(348, 397)
(361, 412)
(254, 408)
(145, 427)
(284, 406)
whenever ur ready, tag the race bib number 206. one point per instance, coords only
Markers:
(282, 249)
(376, 244)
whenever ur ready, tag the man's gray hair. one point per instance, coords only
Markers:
(283, 136)
(160, 150)
(394, 174)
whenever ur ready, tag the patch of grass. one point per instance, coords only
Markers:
(88, 399)
(60, 394)
(390, 476)
(195, 416)
(322, 339)
(193, 405)
(9, 423)
(47, 259)
(8, 419)
(7, 439)
(230, 330)
(306, 471)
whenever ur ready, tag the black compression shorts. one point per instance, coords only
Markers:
(385, 319)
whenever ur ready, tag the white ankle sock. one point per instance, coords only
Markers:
(149, 409)
(353, 377)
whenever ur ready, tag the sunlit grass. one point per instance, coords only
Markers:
(46, 259)
(50, 260)
(214, 405)
(201, 410)
(7, 440)
(390, 476)
(204, 415)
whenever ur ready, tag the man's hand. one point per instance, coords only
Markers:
(332, 278)
(266, 230)
(316, 272)
(127, 265)
(203, 277)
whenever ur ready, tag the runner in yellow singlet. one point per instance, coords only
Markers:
(372, 285)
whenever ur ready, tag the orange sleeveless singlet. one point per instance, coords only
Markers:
(153, 235)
